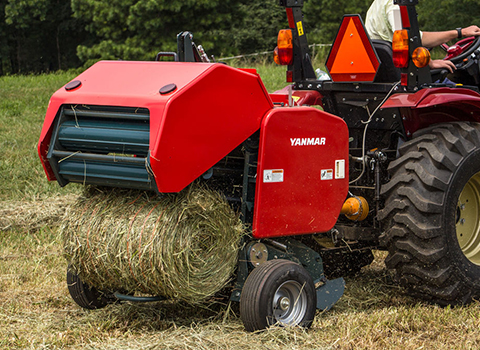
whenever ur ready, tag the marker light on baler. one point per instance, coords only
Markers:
(283, 54)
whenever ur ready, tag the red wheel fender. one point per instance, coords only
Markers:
(436, 105)
(433, 97)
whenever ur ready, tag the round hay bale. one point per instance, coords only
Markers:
(183, 246)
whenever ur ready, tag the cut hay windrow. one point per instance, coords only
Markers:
(33, 215)
(182, 247)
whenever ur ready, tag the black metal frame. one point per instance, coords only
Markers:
(301, 68)
(351, 101)
(416, 77)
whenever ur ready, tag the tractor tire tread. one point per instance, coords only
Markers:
(415, 196)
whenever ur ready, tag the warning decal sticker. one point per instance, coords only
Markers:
(273, 175)
(326, 174)
(340, 169)
(300, 28)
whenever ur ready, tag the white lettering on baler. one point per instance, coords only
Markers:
(308, 141)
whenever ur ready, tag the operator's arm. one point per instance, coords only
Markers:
(432, 39)
(442, 64)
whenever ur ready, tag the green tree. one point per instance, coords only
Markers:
(137, 29)
(5, 57)
(259, 26)
(323, 17)
(42, 36)
(434, 15)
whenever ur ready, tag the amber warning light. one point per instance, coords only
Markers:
(352, 57)
(283, 54)
(401, 51)
(400, 48)
(421, 57)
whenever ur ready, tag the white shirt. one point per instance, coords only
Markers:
(383, 18)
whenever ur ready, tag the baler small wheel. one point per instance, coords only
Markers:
(278, 292)
(86, 296)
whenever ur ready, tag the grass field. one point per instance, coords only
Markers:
(36, 311)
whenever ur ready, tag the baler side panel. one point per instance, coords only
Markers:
(46, 135)
(204, 122)
(302, 178)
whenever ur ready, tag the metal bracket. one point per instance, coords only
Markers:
(329, 293)
(187, 51)
(291, 3)
(405, 2)
(138, 299)
(416, 77)
(242, 274)
(166, 54)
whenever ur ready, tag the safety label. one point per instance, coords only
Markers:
(275, 175)
(340, 169)
(300, 28)
(326, 174)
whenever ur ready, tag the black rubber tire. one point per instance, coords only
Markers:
(84, 295)
(422, 210)
(266, 285)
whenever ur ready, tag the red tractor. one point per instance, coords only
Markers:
(391, 161)
(414, 151)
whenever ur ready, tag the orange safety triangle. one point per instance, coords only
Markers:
(352, 57)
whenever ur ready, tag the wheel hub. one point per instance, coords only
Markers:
(289, 303)
(468, 219)
(284, 303)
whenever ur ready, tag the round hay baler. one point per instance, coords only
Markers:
(195, 179)
(200, 181)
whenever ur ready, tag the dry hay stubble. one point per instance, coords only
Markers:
(33, 215)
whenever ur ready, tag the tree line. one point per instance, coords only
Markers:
(49, 35)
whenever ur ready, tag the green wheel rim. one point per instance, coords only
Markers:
(468, 219)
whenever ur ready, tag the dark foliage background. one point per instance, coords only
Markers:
(48, 35)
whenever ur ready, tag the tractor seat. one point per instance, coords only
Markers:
(387, 72)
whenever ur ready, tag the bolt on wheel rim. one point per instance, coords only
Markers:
(468, 219)
(289, 304)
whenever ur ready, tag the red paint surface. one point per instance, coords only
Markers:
(302, 203)
(213, 110)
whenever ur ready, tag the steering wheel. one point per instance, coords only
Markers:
(456, 54)
(462, 49)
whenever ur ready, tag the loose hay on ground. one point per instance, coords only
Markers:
(33, 215)
(182, 247)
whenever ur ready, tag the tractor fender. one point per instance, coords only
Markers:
(435, 105)
(433, 97)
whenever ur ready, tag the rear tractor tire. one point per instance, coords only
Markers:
(278, 292)
(432, 214)
(86, 296)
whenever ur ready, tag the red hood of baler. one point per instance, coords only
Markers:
(212, 110)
